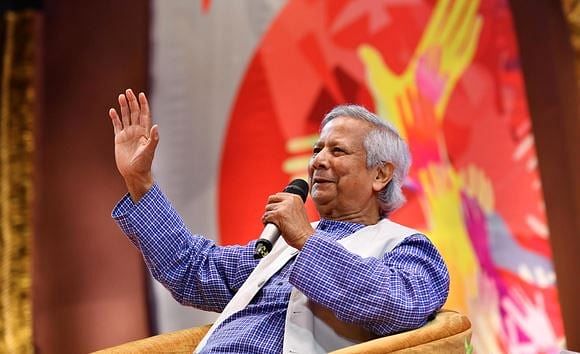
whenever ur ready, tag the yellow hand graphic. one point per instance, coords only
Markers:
(486, 317)
(444, 52)
(478, 186)
(387, 88)
(442, 206)
(455, 29)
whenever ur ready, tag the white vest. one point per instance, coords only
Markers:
(311, 328)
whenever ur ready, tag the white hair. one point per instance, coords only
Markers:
(383, 144)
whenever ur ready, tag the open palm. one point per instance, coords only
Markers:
(135, 142)
(132, 154)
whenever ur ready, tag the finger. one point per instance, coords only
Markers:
(490, 196)
(408, 116)
(435, 26)
(117, 126)
(453, 180)
(462, 38)
(404, 105)
(153, 139)
(424, 107)
(509, 307)
(469, 181)
(133, 106)
(268, 217)
(469, 45)
(521, 297)
(145, 118)
(286, 197)
(276, 198)
(435, 175)
(124, 110)
(462, 175)
(469, 209)
(436, 59)
(468, 23)
(296, 198)
(478, 184)
(270, 207)
(426, 183)
(373, 63)
(454, 20)
(427, 106)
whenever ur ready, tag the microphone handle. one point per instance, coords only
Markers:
(268, 237)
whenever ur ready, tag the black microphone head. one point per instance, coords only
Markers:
(298, 187)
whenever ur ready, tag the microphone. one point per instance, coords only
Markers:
(270, 234)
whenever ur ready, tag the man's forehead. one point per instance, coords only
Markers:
(345, 128)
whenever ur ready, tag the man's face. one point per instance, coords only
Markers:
(341, 186)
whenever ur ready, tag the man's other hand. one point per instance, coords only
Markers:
(287, 211)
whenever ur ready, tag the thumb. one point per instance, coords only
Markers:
(373, 62)
(153, 138)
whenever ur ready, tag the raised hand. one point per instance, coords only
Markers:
(445, 50)
(478, 185)
(135, 142)
(529, 317)
(442, 206)
(485, 316)
(424, 133)
(449, 43)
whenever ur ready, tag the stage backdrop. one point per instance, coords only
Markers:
(239, 90)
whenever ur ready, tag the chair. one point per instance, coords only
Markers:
(448, 332)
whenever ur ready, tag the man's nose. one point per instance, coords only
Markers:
(320, 160)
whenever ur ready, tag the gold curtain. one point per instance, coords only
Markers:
(572, 14)
(18, 102)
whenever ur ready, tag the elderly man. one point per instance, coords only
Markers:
(352, 276)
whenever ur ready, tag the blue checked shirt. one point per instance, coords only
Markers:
(395, 293)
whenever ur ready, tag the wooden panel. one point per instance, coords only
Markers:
(548, 66)
(89, 283)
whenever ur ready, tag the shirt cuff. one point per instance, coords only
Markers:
(126, 207)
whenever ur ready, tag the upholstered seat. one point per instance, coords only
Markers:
(448, 332)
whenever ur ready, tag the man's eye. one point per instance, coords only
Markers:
(316, 150)
(338, 150)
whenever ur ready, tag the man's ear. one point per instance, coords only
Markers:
(384, 174)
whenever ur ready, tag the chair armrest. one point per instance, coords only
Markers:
(183, 341)
(446, 333)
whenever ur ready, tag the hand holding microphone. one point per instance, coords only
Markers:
(285, 213)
